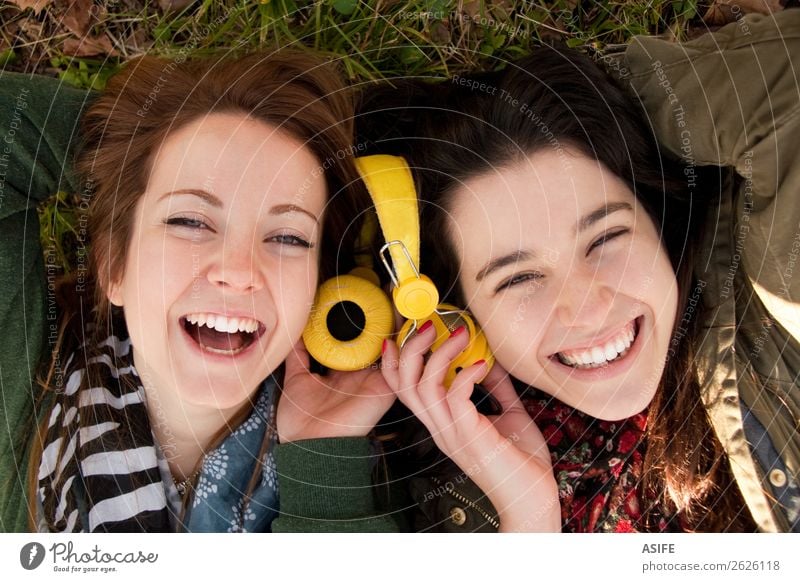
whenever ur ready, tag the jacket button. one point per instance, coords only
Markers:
(777, 478)
(458, 515)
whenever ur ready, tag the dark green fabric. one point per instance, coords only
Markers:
(322, 487)
(38, 128)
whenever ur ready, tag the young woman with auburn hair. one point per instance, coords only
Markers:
(219, 191)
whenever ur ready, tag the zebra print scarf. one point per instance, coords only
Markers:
(99, 476)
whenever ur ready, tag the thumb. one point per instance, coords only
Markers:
(498, 383)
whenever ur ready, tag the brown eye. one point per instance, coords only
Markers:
(607, 237)
(519, 279)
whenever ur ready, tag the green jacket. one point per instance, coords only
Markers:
(731, 99)
(325, 484)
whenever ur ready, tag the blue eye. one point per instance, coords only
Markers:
(291, 240)
(607, 237)
(187, 222)
(519, 279)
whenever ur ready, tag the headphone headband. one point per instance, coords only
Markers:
(391, 186)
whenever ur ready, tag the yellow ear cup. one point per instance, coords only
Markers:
(477, 349)
(416, 298)
(367, 274)
(350, 319)
(445, 324)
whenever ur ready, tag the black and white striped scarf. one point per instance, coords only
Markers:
(104, 472)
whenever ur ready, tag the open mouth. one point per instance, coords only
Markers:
(601, 355)
(222, 335)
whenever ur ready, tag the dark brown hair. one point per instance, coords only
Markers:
(295, 92)
(455, 131)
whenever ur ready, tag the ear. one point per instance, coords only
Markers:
(114, 293)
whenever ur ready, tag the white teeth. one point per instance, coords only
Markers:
(222, 323)
(600, 355)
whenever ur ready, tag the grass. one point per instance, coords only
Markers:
(373, 40)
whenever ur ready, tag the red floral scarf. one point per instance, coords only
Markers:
(598, 466)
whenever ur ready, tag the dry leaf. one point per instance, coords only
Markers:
(88, 46)
(472, 8)
(78, 17)
(757, 6)
(37, 5)
(723, 12)
(439, 33)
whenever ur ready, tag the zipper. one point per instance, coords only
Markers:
(471, 504)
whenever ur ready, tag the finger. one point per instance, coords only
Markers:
(432, 393)
(458, 397)
(498, 383)
(411, 362)
(440, 360)
(402, 371)
(420, 343)
(390, 360)
(433, 402)
(497, 374)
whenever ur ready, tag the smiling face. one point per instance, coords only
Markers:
(567, 276)
(222, 264)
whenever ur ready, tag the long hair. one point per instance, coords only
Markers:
(470, 126)
(297, 93)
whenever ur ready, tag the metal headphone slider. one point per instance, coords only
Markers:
(415, 298)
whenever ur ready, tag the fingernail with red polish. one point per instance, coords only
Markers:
(425, 326)
(479, 363)
(458, 331)
(383, 347)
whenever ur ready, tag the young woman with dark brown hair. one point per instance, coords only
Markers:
(218, 191)
(654, 312)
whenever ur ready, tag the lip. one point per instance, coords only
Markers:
(610, 370)
(208, 355)
(597, 340)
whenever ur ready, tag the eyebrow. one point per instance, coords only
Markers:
(504, 261)
(214, 201)
(289, 209)
(206, 196)
(599, 214)
(583, 224)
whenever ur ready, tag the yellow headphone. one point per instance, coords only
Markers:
(352, 315)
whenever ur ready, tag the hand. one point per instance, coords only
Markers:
(339, 404)
(506, 455)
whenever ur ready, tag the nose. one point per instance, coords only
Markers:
(236, 265)
(584, 300)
